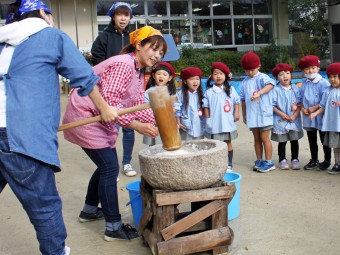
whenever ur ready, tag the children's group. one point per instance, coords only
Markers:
(273, 110)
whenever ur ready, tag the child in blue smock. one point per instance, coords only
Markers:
(221, 108)
(287, 124)
(312, 89)
(162, 74)
(189, 115)
(330, 108)
(257, 109)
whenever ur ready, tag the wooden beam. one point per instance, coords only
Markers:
(192, 219)
(179, 197)
(145, 219)
(150, 238)
(204, 241)
(164, 217)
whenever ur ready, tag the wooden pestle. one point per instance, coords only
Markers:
(165, 118)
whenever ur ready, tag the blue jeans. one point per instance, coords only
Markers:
(128, 143)
(103, 183)
(33, 183)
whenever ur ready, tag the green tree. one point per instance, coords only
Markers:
(309, 16)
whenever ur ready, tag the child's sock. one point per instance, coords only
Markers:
(337, 155)
(230, 157)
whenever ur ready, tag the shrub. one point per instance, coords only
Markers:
(203, 58)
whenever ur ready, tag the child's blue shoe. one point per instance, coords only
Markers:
(257, 165)
(266, 166)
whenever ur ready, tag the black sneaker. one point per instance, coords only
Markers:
(334, 170)
(125, 233)
(85, 217)
(324, 165)
(313, 164)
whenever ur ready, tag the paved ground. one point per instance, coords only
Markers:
(282, 212)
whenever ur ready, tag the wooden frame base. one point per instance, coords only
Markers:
(203, 228)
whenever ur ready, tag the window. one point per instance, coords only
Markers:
(201, 29)
(180, 30)
(243, 31)
(200, 8)
(252, 7)
(179, 8)
(161, 25)
(242, 7)
(157, 8)
(263, 30)
(221, 8)
(262, 7)
(222, 32)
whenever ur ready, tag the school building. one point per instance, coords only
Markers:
(238, 25)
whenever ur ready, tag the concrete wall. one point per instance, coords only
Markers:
(280, 22)
(77, 19)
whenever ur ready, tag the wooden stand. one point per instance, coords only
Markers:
(203, 228)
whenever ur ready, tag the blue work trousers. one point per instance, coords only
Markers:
(33, 183)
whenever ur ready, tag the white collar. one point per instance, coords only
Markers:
(218, 89)
(17, 32)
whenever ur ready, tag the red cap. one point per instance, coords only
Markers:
(223, 67)
(333, 68)
(168, 65)
(308, 61)
(250, 61)
(189, 72)
(281, 67)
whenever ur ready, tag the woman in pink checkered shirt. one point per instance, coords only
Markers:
(121, 85)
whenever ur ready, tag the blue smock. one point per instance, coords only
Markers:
(311, 92)
(216, 100)
(259, 113)
(285, 100)
(330, 102)
(192, 117)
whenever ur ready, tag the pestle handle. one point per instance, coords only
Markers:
(98, 118)
(120, 112)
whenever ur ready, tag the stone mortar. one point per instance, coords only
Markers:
(198, 164)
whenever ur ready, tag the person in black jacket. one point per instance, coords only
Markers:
(109, 43)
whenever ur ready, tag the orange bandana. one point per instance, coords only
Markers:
(140, 34)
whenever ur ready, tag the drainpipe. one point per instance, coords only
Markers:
(59, 15)
(91, 10)
(76, 22)
(278, 23)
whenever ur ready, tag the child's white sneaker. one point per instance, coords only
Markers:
(283, 164)
(128, 170)
(67, 250)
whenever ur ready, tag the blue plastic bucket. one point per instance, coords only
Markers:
(234, 205)
(135, 201)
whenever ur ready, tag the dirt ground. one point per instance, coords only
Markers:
(281, 212)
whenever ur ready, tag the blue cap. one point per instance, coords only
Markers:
(33, 5)
(116, 5)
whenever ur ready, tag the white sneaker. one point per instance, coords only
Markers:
(230, 169)
(67, 250)
(128, 170)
